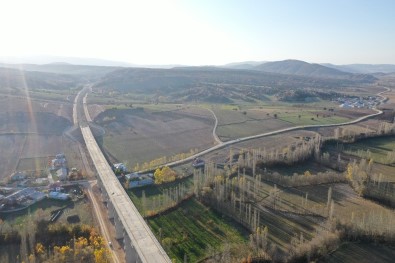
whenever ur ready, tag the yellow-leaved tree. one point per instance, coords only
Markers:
(164, 175)
(158, 176)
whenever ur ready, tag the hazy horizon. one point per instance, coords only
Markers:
(90, 61)
(201, 32)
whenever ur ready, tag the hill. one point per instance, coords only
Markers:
(20, 79)
(364, 68)
(40, 60)
(212, 84)
(301, 68)
(90, 72)
(243, 65)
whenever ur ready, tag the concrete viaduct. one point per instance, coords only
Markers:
(140, 244)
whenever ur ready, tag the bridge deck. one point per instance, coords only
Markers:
(144, 242)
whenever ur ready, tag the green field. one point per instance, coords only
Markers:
(194, 230)
(235, 122)
(379, 148)
(244, 129)
(155, 191)
(281, 227)
(299, 168)
(57, 95)
(310, 118)
(116, 99)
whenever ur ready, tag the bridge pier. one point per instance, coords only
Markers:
(130, 253)
(118, 228)
(111, 211)
(105, 197)
(100, 184)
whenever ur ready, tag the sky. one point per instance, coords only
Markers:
(201, 32)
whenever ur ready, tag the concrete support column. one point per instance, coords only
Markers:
(110, 208)
(105, 196)
(118, 227)
(100, 184)
(130, 254)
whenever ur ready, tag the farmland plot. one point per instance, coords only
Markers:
(196, 231)
(136, 136)
(11, 148)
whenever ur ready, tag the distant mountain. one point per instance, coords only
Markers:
(58, 60)
(211, 84)
(64, 60)
(15, 79)
(301, 68)
(243, 65)
(363, 68)
(87, 72)
(297, 67)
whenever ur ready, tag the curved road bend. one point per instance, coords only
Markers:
(215, 136)
(75, 117)
(224, 144)
(87, 115)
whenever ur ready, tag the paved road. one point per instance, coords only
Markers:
(75, 117)
(224, 144)
(87, 116)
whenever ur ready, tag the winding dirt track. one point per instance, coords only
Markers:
(100, 218)
(215, 136)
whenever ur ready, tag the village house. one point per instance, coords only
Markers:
(120, 167)
(137, 180)
(18, 176)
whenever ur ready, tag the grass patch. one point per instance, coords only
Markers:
(299, 168)
(156, 191)
(378, 148)
(310, 118)
(50, 95)
(194, 229)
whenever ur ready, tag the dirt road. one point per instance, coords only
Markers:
(101, 220)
